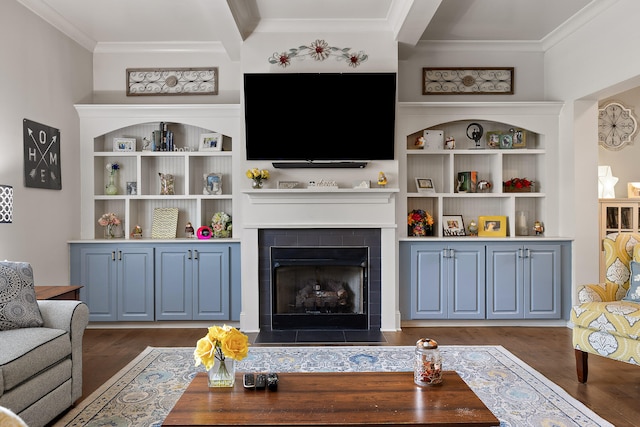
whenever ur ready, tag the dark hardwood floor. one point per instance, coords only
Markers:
(612, 391)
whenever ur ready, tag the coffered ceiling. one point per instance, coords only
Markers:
(93, 23)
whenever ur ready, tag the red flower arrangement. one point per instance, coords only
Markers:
(420, 223)
(518, 185)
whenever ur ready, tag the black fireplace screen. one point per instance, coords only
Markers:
(319, 287)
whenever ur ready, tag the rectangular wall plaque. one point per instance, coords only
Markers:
(172, 81)
(467, 81)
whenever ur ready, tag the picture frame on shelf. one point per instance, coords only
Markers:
(506, 141)
(633, 190)
(519, 138)
(124, 144)
(210, 142)
(425, 185)
(493, 139)
(492, 226)
(212, 184)
(132, 188)
(453, 225)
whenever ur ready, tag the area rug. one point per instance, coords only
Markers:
(143, 393)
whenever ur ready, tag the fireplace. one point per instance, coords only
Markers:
(319, 287)
(320, 279)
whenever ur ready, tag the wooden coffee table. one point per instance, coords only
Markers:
(334, 399)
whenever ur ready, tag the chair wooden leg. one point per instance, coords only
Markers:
(582, 366)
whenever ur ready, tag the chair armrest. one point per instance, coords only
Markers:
(600, 292)
(71, 316)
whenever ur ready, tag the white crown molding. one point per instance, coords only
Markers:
(160, 47)
(478, 45)
(322, 25)
(56, 20)
(571, 25)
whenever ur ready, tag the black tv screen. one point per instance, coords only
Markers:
(320, 116)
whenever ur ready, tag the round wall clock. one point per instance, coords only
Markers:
(617, 125)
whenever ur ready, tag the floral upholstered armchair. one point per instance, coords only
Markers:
(607, 320)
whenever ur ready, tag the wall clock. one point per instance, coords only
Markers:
(42, 167)
(617, 125)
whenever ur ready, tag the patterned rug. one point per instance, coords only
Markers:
(143, 393)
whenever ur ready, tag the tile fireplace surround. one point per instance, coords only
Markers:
(358, 217)
(312, 237)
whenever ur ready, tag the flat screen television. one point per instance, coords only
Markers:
(320, 116)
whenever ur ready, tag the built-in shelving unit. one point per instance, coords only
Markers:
(100, 124)
(535, 161)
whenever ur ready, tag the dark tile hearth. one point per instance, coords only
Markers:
(320, 337)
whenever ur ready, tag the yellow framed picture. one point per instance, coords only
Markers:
(492, 226)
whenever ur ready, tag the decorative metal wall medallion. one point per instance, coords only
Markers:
(617, 125)
(172, 81)
(319, 50)
(467, 81)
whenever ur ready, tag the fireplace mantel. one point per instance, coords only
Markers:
(266, 208)
(322, 196)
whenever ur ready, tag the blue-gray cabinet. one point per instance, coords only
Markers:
(117, 280)
(523, 281)
(446, 280)
(193, 282)
(127, 281)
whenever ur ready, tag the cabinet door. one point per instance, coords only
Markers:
(135, 284)
(173, 283)
(466, 282)
(542, 291)
(504, 281)
(427, 282)
(211, 283)
(98, 276)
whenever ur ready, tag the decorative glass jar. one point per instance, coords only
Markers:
(222, 373)
(428, 363)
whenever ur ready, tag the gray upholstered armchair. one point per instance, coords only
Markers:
(40, 348)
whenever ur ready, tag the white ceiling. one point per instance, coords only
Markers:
(93, 23)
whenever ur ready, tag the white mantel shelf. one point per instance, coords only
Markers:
(322, 196)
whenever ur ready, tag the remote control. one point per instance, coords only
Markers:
(249, 381)
(261, 381)
(272, 381)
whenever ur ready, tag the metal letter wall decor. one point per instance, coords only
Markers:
(42, 167)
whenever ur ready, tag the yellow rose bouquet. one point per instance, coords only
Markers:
(220, 344)
(257, 176)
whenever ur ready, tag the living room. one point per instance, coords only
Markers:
(96, 77)
(50, 72)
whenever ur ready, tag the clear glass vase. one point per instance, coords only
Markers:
(111, 231)
(256, 184)
(222, 373)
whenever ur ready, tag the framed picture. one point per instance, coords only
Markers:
(493, 139)
(212, 183)
(172, 81)
(506, 141)
(210, 142)
(492, 226)
(519, 138)
(132, 188)
(425, 185)
(453, 225)
(124, 144)
(468, 81)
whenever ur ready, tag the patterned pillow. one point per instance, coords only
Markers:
(633, 294)
(18, 303)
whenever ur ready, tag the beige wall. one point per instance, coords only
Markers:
(43, 73)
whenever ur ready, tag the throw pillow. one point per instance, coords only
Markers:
(633, 294)
(18, 303)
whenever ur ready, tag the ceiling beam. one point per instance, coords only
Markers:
(409, 19)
